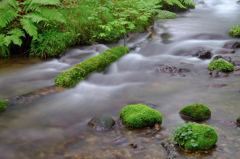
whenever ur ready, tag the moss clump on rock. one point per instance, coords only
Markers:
(238, 120)
(235, 31)
(221, 65)
(2, 105)
(164, 14)
(193, 136)
(196, 112)
(80, 71)
(138, 116)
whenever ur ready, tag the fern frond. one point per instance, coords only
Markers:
(175, 2)
(12, 3)
(4, 51)
(35, 17)
(52, 15)
(14, 36)
(31, 4)
(7, 15)
(29, 27)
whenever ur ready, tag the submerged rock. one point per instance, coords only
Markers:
(171, 69)
(193, 136)
(226, 58)
(209, 37)
(101, 122)
(196, 112)
(139, 116)
(217, 74)
(202, 53)
(232, 45)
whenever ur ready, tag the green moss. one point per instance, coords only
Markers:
(164, 14)
(2, 105)
(221, 65)
(193, 136)
(196, 111)
(138, 116)
(80, 71)
(238, 119)
(235, 31)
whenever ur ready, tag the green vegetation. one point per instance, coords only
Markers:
(196, 111)
(193, 136)
(235, 31)
(238, 120)
(138, 116)
(164, 14)
(80, 71)
(221, 65)
(2, 105)
(40, 29)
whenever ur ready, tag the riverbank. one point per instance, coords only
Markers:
(55, 25)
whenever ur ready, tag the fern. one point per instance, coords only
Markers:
(36, 17)
(29, 27)
(14, 36)
(52, 14)
(7, 15)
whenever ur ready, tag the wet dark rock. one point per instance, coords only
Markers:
(101, 122)
(133, 145)
(202, 53)
(238, 2)
(170, 69)
(227, 52)
(171, 150)
(236, 63)
(226, 58)
(209, 37)
(232, 45)
(217, 74)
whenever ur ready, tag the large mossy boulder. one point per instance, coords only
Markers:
(2, 105)
(193, 136)
(221, 65)
(235, 31)
(196, 112)
(102, 122)
(138, 116)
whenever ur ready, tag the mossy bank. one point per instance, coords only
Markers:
(193, 136)
(139, 115)
(98, 63)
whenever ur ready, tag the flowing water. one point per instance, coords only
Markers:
(55, 127)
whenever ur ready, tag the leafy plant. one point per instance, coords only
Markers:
(20, 22)
(164, 14)
(193, 136)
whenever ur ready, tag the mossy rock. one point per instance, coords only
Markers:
(2, 105)
(235, 31)
(238, 120)
(102, 122)
(98, 63)
(139, 115)
(221, 65)
(197, 112)
(164, 14)
(193, 136)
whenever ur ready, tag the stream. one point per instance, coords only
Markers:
(56, 126)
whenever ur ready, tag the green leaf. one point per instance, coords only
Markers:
(7, 15)
(29, 27)
(35, 17)
(14, 36)
(52, 14)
